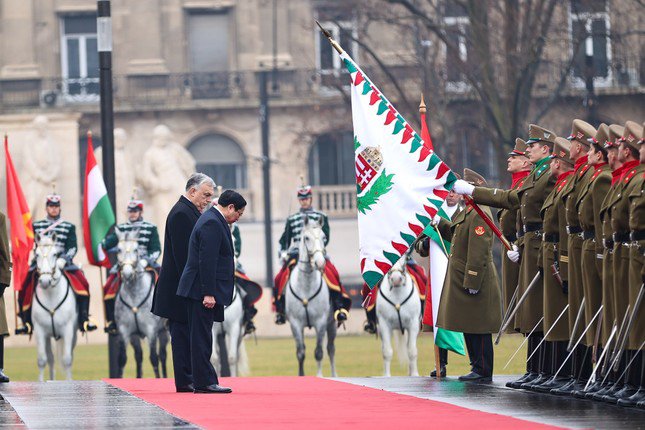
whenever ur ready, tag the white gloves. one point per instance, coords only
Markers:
(463, 187)
(436, 219)
(283, 257)
(514, 255)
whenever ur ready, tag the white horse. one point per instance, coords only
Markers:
(232, 329)
(134, 301)
(54, 310)
(398, 309)
(307, 297)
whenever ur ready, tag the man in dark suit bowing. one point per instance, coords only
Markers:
(208, 283)
(165, 303)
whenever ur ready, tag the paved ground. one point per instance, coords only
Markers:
(79, 404)
(496, 398)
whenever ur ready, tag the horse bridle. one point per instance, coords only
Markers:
(128, 250)
(45, 253)
(397, 306)
(310, 254)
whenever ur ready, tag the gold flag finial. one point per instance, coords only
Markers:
(327, 34)
(422, 105)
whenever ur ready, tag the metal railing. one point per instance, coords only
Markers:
(337, 201)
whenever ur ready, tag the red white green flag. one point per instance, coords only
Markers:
(98, 216)
(400, 183)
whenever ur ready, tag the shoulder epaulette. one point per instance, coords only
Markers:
(541, 170)
(583, 170)
(629, 176)
(562, 184)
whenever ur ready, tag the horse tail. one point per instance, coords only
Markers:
(400, 346)
(243, 368)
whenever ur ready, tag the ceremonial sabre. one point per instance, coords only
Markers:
(592, 378)
(578, 342)
(637, 303)
(535, 280)
(617, 346)
(526, 338)
(489, 222)
(511, 304)
(547, 333)
(575, 324)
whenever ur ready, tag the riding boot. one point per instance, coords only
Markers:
(27, 325)
(249, 313)
(279, 310)
(340, 313)
(110, 325)
(370, 324)
(83, 306)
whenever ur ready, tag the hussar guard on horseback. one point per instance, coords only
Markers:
(419, 279)
(252, 290)
(63, 234)
(149, 250)
(289, 242)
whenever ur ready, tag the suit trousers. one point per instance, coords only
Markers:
(480, 353)
(200, 323)
(180, 344)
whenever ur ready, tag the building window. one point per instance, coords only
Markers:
(80, 59)
(457, 27)
(331, 159)
(328, 61)
(220, 158)
(589, 26)
(208, 53)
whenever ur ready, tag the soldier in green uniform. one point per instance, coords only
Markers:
(618, 206)
(555, 260)
(289, 240)
(528, 200)
(607, 301)
(5, 280)
(636, 279)
(519, 167)
(64, 234)
(471, 297)
(149, 250)
(590, 199)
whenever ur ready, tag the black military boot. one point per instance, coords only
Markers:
(340, 313)
(558, 355)
(110, 325)
(370, 324)
(249, 313)
(639, 395)
(544, 365)
(27, 325)
(280, 317)
(83, 306)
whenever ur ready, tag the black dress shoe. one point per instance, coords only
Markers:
(3, 378)
(551, 384)
(433, 374)
(537, 381)
(641, 404)
(607, 391)
(632, 401)
(528, 376)
(186, 389)
(568, 388)
(212, 389)
(475, 377)
(626, 392)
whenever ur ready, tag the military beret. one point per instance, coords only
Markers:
(520, 147)
(581, 132)
(473, 177)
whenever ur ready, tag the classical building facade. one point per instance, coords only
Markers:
(194, 65)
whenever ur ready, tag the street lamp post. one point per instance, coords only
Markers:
(104, 42)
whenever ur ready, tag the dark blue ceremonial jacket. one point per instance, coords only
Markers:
(210, 269)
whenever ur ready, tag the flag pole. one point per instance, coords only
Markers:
(331, 40)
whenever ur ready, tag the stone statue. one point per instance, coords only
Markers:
(163, 173)
(41, 161)
(123, 176)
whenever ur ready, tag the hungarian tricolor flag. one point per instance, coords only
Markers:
(438, 257)
(400, 184)
(22, 231)
(98, 216)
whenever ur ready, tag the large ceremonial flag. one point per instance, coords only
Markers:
(438, 257)
(400, 184)
(22, 231)
(98, 216)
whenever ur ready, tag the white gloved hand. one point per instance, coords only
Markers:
(463, 187)
(514, 254)
(436, 219)
(283, 257)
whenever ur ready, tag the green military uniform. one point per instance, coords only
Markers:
(293, 227)
(580, 133)
(65, 235)
(510, 227)
(636, 266)
(147, 237)
(528, 199)
(589, 203)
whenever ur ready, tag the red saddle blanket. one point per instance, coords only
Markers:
(419, 279)
(252, 289)
(76, 279)
(113, 283)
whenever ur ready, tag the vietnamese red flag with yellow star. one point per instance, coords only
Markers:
(22, 231)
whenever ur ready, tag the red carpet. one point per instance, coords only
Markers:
(311, 403)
